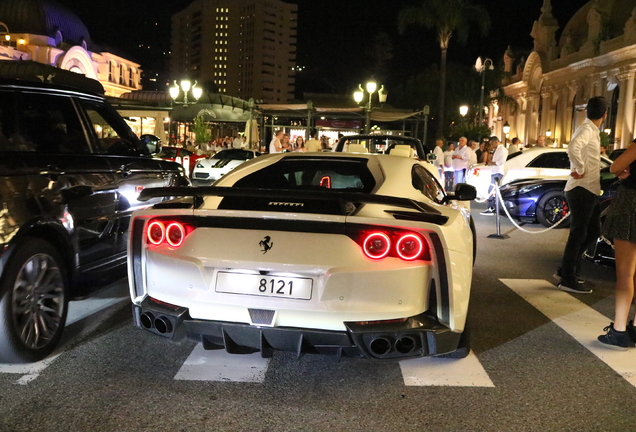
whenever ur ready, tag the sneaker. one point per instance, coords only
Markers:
(489, 212)
(557, 276)
(631, 330)
(573, 287)
(614, 339)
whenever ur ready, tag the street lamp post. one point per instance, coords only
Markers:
(481, 68)
(185, 87)
(463, 110)
(426, 111)
(358, 96)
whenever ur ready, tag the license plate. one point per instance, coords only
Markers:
(259, 285)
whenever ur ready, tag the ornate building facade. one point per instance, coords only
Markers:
(49, 33)
(594, 56)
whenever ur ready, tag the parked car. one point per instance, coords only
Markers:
(602, 251)
(360, 255)
(543, 200)
(616, 153)
(208, 170)
(532, 163)
(388, 144)
(181, 156)
(71, 171)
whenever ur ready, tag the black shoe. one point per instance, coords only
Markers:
(557, 276)
(573, 287)
(631, 331)
(614, 339)
(489, 212)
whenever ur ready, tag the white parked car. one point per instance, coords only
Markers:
(208, 170)
(532, 163)
(361, 255)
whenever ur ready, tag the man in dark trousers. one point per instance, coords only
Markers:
(581, 192)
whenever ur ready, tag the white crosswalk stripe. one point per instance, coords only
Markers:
(579, 320)
(430, 371)
(218, 365)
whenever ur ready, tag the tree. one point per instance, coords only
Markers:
(447, 17)
(201, 130)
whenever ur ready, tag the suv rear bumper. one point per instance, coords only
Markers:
(417, 336)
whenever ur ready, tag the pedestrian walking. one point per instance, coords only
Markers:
(620, 225)
(581, 192)
(500, 154)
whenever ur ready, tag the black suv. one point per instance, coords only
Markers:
(70, 173)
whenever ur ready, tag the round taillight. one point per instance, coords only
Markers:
(409, 247)
(156, 232)
(376, 245)
(175, 233)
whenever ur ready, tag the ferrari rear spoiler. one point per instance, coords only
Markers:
(287, 197)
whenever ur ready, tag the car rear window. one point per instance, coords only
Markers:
(351, 175)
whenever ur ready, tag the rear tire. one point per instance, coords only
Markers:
(33, 302)
(552, 207)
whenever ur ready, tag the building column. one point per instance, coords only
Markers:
(532, 119)
(566, 136)
(546, 115)
(625, 118)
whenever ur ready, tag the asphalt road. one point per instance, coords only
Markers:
(535, 367)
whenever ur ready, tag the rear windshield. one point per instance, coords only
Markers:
(351, 175)
(234, 155)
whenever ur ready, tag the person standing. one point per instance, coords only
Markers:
(275, 146)
(620, 226)
(313, 145)
(479, 152)
(449, 173)
(237, 142)
(581, 193)
(514, 146)
(496, 173)
(460, 160)
(540, 141)
(439, 157)
(472, 145)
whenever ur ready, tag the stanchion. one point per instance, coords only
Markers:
(497, 221)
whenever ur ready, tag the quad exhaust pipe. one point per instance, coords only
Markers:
(384, 345)
(160, 324)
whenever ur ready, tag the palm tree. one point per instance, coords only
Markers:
(447, 17)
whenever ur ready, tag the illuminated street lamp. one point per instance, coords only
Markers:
(358, 96)
(463, 110)
(482, 68)
(185, 86)
(506, 131)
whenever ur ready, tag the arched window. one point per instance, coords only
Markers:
(131, 83)
(3, 29)
(122, 71)
(111, 71)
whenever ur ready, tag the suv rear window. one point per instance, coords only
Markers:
(351, 175)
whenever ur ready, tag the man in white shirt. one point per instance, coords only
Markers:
(439, 157)
(472, 145)
(275, 146)
(496, 172)
(581, 192)
(237, 142)
(460, 160)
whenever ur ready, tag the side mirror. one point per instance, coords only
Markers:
(431, 157)
(463, 192)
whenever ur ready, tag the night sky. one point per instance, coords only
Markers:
(333, 35)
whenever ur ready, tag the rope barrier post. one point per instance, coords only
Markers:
(497, 221)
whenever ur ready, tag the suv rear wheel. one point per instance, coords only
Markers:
(33, 302)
